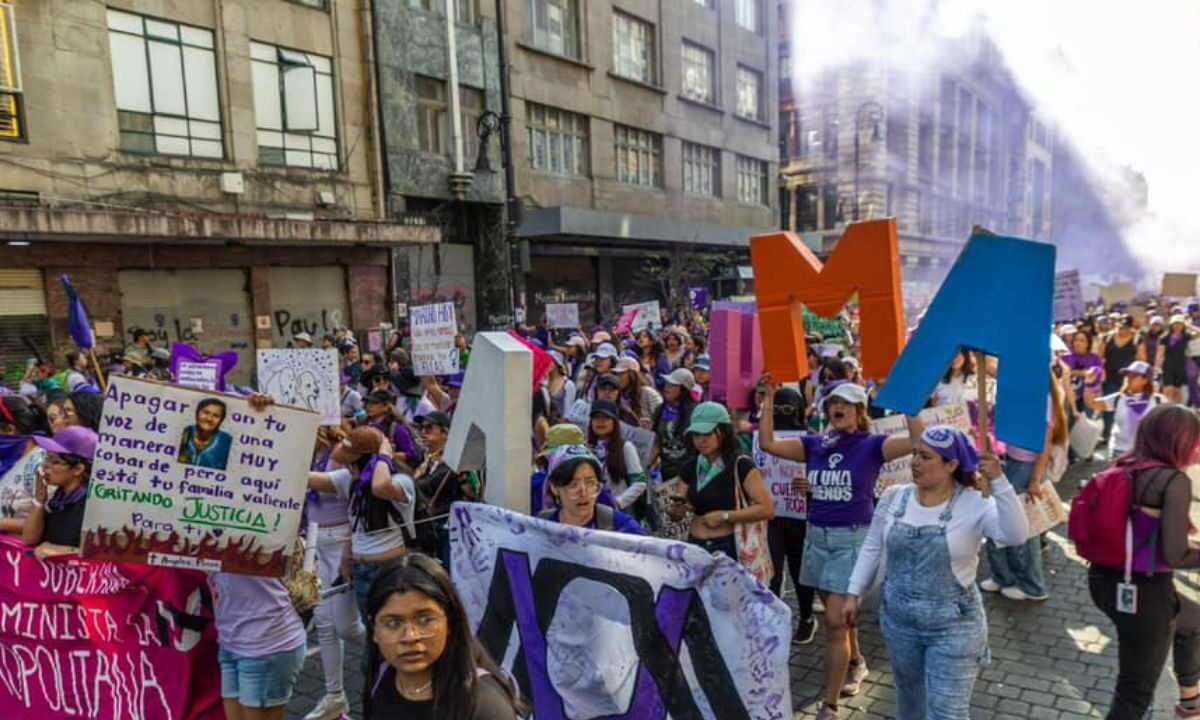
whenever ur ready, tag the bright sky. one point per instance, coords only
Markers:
(1118, 77)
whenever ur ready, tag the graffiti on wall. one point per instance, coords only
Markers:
(290, 321)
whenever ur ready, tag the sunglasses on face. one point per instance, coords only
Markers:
(428, 428)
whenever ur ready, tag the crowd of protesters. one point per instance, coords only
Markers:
(380, 493)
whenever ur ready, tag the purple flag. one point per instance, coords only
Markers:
(698, 295)
(77, 317)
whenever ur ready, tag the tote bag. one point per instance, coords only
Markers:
(751, 539)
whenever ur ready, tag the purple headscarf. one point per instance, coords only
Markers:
(952, 444)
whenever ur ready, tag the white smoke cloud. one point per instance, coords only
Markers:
(1117, 79)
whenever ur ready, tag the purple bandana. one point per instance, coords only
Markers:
(952, 444)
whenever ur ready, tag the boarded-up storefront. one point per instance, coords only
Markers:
(444, 273)
(169, 302)
(306, 299)
(23, 324)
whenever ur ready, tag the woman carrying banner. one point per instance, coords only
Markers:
(785, 535)
(380, 504)
(20, 457)
(710, 481)
(1153, 618)
(574, 484)
(56, 525)
(671, 446)
(843, 468)
(621, 467)
(424, 663)
(932, 615)
(336, 617)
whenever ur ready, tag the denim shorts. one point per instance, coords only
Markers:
(829, 557)
(261, 682)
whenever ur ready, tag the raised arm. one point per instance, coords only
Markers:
(897, 446)
(787, 449)
(383, 487)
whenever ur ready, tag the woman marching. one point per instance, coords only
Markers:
(932, 615)
(423, 661)
(843, 467)
(622, 467)
(1128, 405)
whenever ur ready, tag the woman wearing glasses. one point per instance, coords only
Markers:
(575, 484)
(423, 661)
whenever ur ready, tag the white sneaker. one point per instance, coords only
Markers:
(1014, 593)
(989, 585)
(331, 707)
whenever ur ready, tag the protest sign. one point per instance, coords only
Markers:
(433, 331)
(778, 474)
(375, 340)
(602, 620)
(308, 379)
(1119, 293)
(698, 297)
(649, 316)
(1179, 285)
(1068, 297)
(899, 471)
(198, 375)
(104, 640)
(625, 322)
(562, 315)
(1046, 513)
(660, 499)
(190, 479)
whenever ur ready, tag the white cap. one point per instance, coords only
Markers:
(850, 392)
(606, 350)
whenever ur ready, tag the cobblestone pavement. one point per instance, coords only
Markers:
(1054, 660)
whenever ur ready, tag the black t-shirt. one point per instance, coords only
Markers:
(65, 526)
(719, 493)
(492, 702)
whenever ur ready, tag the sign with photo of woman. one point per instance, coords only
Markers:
(204, 443)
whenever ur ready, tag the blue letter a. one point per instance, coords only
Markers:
(998, 298)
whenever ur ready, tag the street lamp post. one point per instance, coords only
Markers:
(869, 112)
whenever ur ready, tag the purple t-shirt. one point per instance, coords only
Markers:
(842, 470)
(254, 615)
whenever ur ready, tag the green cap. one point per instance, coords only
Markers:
(707, 416)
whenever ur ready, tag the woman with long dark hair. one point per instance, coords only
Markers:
(84, 408)
(423, 659)
(1156, 617)
(653, 356)
(637, 395)
(952, 389)
(671, 447)
(620, 464)
(384, 417)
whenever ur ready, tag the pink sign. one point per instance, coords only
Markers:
(736, 352)
(625, 322)
(88, 639)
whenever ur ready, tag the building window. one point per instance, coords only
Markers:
(165, 80)
(748, 14)
(785, 63)
(431, 115)
(555, 26)
(12, 102)
(698, 73)
(633, 48)
(638, 156)
(749, 93)
(701, 170)
(293, 107)
(558, 140)
(752, 181)
(430, 5)
(470, 101)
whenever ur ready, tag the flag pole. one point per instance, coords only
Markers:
(99, 373)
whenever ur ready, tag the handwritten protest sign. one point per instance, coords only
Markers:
(899, 471)
(660, 498)
(84, 639)
(199, 375)
(307, 379)
(433, 331)
(1046, 513)
(648, 317)
(562, 315)
(1068, 296)
(189, 479)
(599, 621)
(778, 475)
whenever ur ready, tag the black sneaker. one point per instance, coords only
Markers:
(806, 631)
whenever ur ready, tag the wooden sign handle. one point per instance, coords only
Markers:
(985, 416)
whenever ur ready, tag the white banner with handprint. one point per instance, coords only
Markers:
(307, 379)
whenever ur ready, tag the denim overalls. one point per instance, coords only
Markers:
(935, 629)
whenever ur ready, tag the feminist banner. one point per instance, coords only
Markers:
(84, 639)
(307, 379)
(620, 625)
(191, 479)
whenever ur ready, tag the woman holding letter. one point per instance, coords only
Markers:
(932, 615)
(843, 467)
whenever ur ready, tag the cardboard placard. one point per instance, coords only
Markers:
(199, 480)
(899, 471)
(304, 378)
(1179, 285)
(779, 474)
(1119, 293)
(562, 315)
(433, 331)
(649, 317)
(198, 375)
(1068, 297)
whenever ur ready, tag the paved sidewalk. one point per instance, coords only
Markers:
(1051, 661)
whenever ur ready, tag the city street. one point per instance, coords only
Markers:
(1051, 661)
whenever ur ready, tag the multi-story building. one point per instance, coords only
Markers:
(643, 138)
(206, 170)
(942, 150)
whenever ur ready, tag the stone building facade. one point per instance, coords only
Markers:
(941, 150)
(643, 138)
(208, 170)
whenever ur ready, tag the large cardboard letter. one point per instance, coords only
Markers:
(787, 276)
(492, 423)
(998, 298)
(737, 355)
